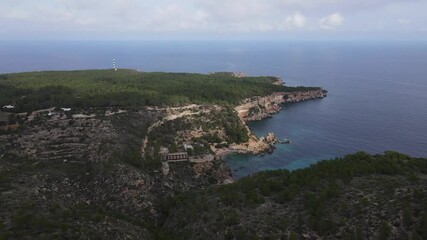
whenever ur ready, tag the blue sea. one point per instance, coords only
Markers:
(377, 91)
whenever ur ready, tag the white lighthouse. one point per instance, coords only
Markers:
(114, 65)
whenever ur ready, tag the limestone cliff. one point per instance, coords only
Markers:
(254, 145)
(257, 108)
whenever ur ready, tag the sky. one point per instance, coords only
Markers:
(213, 19)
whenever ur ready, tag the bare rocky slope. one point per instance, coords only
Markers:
(65, 178)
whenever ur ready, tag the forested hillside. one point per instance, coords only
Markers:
(100, 88)
(360, 196)
(84, 176)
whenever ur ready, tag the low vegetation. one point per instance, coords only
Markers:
(359, 196)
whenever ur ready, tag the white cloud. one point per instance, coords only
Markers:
(332, 21)
(226, 11)
(296, 20)
(404, 21)
(380, 25)
(196, 17)
(343, 5)
(264, 27)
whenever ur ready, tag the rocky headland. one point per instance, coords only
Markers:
(257, 108)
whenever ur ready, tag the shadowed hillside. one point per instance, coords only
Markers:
(360, 196)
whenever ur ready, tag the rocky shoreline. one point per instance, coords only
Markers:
(255, 108)
(258, 108)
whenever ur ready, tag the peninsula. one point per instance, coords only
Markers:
(197, 112)
(135, 155)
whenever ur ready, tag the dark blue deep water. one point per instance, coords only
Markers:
(377, 97)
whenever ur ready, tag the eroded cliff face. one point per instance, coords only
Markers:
(257, 108)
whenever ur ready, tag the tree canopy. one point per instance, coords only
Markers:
(89, 88)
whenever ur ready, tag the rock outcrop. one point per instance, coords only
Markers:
(254, 145)
(257, 108)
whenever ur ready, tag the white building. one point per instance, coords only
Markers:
(9, 107)
(188, 146)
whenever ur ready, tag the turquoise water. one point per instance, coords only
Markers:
(377, 101)
(377, 98)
